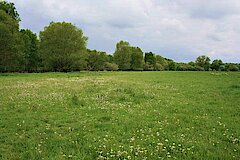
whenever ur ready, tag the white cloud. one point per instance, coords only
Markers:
(177, 29)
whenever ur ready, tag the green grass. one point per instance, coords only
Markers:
(120, 115)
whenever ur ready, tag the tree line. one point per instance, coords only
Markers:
(61, 46)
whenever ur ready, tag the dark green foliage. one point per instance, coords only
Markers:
(181, 67)
(217, 65)
(136, 59)
(150, 58)
(110, 58)
(62, 47)
(231, 67)
(122, 44)
(31, 60)
(172, 66)
(10, 9)
(150, 61)
(128, 57)
(191, 63)
(10, 43)
(235, 86)
(184, 67)
(122, 55)
(148, 66)
(159, 67)
(188, 67)
(161, 61)
(198, 68)
(96, 60)
(111, 66)
(204, 62)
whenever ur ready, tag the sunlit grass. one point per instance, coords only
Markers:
(120, 115)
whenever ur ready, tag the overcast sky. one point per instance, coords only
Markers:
(176, 29)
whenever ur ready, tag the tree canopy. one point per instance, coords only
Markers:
(10, 9)
(96, 60)
(204, 62)
(61, 46)
(136, 59)
(128, 57)
(31, 59)
(122, 55)
(10, 51)
(217, 65)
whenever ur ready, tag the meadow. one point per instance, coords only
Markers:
(120, 115)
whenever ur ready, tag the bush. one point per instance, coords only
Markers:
(233, 67)
(198, 68)
(111, 66)
(159, 67)
(148, 67)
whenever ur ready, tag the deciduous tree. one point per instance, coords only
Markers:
(63, 47)
(31, 59)
(150, 58)
(10, 43)
(122, 55)
(96, 60)
(204, 62)
(161, 63)
(217, 65)
(136, 59)
(10, 9)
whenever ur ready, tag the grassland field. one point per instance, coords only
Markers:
(120, 115)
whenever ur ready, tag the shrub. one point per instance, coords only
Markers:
(111, 66)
